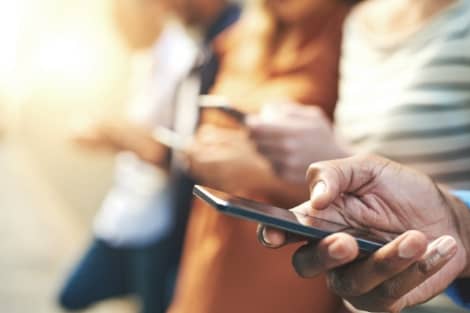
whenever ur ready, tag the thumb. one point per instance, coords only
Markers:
(329, 180)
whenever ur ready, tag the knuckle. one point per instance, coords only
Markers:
(343, 286)
(339, 174)
(383, 267)
(312, 169)
(312, 172)
(389, 292)
(307, 262)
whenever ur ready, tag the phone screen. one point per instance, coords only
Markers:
(295, 222)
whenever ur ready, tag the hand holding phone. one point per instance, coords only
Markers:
(290, 221)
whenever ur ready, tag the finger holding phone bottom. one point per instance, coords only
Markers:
(275, 238)
(329, 253)
(384, 281)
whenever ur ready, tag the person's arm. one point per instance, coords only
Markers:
(459, 291)
(128, 136)
(292, 137)
(226, 159)
(122, 135)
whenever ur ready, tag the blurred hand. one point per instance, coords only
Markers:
(226, 159)
(293, 138)
(120, 135)
(88, 133)
(377, 195)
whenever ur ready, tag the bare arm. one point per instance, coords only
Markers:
(123, 135)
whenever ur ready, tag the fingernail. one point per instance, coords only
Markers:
(446, 246)
(265, 237)
(319, 189)
(438, 252)
(406, 249)
(337, 251)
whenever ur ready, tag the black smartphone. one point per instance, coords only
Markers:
(293, 222)
(220, 103)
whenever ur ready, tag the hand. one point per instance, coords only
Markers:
(121, 135)
(296, 136)
(226, 159)
(376, 195)
(88, 133)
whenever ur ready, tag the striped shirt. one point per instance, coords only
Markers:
(411, 102)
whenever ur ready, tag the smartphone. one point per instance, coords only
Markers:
(293, 222)
(170, 138)
(221, 103)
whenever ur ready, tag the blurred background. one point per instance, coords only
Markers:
(60, 60)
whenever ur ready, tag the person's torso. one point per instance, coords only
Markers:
(136, 211)
(224, 268)
(411, 103)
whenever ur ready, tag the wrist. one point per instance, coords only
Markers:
(461, 214)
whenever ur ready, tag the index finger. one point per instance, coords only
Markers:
(330, 179)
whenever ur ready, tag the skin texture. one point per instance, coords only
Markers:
(372, 193)
(287, 140)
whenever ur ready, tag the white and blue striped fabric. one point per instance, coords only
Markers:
(410, 101)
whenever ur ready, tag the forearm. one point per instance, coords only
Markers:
(126, 136)
(458, 291)
(461, 213)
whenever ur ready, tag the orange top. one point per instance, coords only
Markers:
(224, 269)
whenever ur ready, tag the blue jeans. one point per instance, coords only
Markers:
(107, 272)
(150, 272)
